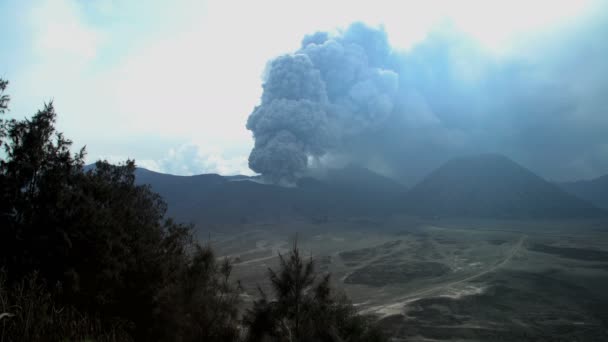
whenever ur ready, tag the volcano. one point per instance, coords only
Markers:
(492, 186)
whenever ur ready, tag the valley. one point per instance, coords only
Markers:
(271, 171)
(481, 249)
(447, 280)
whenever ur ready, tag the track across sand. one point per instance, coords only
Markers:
(385, 310)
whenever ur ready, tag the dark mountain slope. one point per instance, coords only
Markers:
(594, 190)
(492, 186)
(205, 199)
(351, 191)
(358, 178)
(182, 193)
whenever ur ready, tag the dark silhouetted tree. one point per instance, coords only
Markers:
(304, 308)
(91, 255)
(3, 107)
(103, 242)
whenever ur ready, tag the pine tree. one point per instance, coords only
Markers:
(102, 242)
(305, 308)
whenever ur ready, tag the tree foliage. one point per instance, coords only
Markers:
(89, 254)
(3, 107)
(305, 308)
(29, 311)
(105, 241)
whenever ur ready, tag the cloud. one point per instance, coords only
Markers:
(191, 159)
(113, 79)
(57, 65)
(334, 87)
(540, 105)
(61, 31)
(522, 79)
(446, 96)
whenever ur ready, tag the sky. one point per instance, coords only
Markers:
(172, 83)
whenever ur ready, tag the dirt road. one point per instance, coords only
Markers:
(386, 310)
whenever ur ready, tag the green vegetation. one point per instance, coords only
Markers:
(90, 255)
(305, 308)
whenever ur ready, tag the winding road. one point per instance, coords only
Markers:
(386, 310)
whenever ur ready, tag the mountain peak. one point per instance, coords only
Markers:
(593, 190)
(492, 185)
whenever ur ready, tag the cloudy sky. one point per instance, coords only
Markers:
(172, 83)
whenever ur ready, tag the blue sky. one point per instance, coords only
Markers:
(171, 83)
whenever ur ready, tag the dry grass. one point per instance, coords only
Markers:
(29, 313)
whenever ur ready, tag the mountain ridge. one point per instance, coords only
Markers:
(479, 186)
(211, 198)
(492, 185)
(593, 190)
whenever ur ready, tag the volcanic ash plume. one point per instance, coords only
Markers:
(332, 88)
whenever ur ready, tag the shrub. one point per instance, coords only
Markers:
(305, 308)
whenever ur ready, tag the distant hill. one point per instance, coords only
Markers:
(360, 179)
(182, 193)
(351, 191)
(492, 186)
(594, 190)
(486, 186)
(210, 198)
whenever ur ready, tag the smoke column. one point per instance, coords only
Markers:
(332, 88)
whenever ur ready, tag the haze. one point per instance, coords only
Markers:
(174, 88)
(268, 171)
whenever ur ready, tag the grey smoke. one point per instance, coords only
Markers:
(351, 98)
(333, 88)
